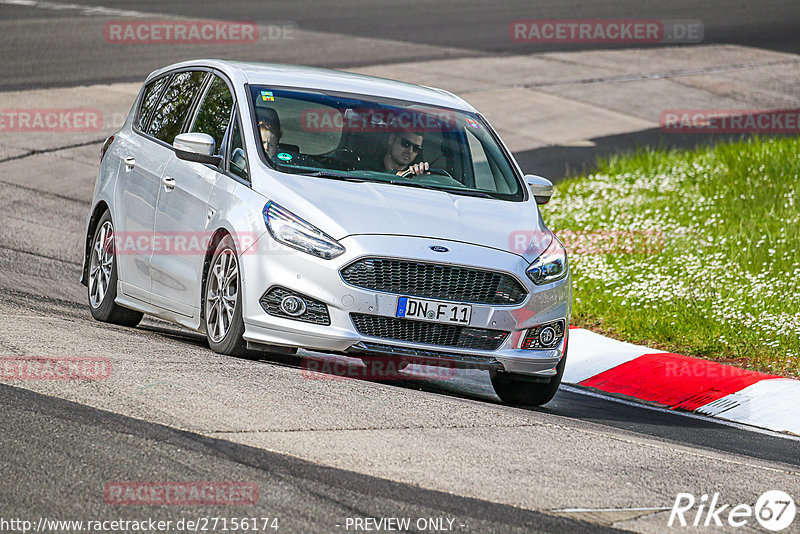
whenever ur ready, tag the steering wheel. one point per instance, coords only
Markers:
(432, 170)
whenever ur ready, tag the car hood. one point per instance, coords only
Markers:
(342, 209)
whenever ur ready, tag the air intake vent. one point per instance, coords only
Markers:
(435, 281)
(445, 335)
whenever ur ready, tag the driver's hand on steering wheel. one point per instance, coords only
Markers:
(418, 168)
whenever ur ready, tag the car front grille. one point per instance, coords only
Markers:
(435, 281)
(446, 335)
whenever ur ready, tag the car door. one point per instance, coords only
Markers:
(144, 169)
(183, 212)
(142, 162)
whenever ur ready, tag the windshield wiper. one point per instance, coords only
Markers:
(466, 192)
(453, 190)
(335, 176)
(359, 179)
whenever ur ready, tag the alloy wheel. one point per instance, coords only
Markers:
(100, 264)
(221, 295)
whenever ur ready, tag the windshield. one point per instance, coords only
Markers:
(360, 138)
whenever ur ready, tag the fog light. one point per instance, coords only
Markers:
(544, 336)
(547, 335)
(293, 305)
(282, 302)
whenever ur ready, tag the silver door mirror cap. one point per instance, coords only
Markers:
(541, 188)
(197, 147)
(197, 143)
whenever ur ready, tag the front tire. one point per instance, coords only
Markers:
(516, 390)
(222, 302)
(103, 277)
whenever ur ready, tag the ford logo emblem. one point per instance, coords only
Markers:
(439, 248)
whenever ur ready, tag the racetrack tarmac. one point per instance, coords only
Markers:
(320, 448)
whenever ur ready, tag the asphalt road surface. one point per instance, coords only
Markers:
(48, 44)
(320, 450)
(99, 446)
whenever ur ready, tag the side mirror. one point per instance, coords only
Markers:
(197, 147)
(542, 188)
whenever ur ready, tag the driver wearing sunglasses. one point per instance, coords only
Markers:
(404, 148)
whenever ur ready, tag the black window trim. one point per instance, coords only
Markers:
(140, 101)
(228, 141)
(191, 108)
(187, 122)
(193, 112)
(519, 174)
(188, 127)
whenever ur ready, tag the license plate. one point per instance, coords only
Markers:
(433, 310)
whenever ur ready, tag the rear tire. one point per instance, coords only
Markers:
(222, 302)
(102, 278)
(516, 390)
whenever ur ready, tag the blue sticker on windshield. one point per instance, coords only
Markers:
(284, 156)
(266, 96)
(473, 123)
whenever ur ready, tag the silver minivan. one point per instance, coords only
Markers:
(276, 207)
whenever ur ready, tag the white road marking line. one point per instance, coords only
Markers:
(690, 415)
(84, 9)
(586, 510)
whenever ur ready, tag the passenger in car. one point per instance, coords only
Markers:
(404, 147)
(269, 125)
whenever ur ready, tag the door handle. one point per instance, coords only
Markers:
(130, 163)
(168, 183)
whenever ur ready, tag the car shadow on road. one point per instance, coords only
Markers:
(466, 384)
(177, 333)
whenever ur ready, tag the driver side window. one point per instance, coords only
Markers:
(237, 157)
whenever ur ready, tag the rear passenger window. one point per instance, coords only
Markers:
(214, 112)
(174, 106)
(149, 99)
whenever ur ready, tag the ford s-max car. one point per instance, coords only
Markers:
(276, 207)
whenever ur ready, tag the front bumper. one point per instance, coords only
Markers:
(271, 264)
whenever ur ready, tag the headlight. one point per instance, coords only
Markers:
(289, 229)
(551, 265)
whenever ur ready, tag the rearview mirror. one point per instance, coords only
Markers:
(197, 147)
(541, 188)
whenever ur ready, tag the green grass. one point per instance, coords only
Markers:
(706, 260)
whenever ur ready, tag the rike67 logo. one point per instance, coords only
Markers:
(774, 510)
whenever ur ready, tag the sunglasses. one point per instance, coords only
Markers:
(405, 143)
